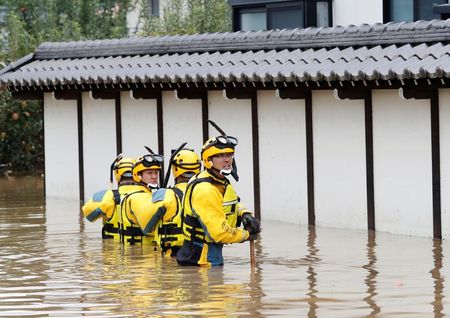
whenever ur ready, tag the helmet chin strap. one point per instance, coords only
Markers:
(234, 172)
(152, 186)
(225, 172)
(215, 171)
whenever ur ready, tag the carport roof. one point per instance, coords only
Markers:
(393, 51)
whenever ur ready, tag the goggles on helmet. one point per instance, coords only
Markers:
(222, 142)
(151, 160)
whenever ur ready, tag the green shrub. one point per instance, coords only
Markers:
(21, 135)
(31, 22)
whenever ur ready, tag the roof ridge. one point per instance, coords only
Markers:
(311, 37)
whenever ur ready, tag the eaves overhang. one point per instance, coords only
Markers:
(365, 53)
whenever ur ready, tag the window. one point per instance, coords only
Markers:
(153, 6)
(253, 19)
(410, 10)
(252, 15)
(323, 14)
(285, 17)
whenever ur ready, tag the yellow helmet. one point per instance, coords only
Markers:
(123, 168)
(186, 161)
(147, 162)
(215, 146)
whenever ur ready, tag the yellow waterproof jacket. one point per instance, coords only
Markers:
(108, 205)
(210, 219)
(103, 203)
(214, 204)
(147, 210)
(169, 234)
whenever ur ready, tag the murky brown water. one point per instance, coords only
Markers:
(53, 263)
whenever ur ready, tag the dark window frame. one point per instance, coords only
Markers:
(387, 14)
(309, 10)
(154, 7)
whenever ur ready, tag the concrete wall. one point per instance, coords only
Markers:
(139, 125)
(339, 161)
(282, 156)
(61, 148)
(401, 149)
(444, 125)
(99, 142)
(182, 123)
(356, 12)
(234, 117)
(402, 164)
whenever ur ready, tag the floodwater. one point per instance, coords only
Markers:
(53, 263)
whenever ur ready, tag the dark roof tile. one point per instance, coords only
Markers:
(389, 51)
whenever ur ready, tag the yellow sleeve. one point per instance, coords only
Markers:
(242, 209)
(170, 204)
(149, 209)
(207, 204)
(101, 204)
(144, 211)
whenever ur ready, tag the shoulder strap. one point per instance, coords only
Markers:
(125, 200)
(199, 180)
(116, 195)
(178, 193)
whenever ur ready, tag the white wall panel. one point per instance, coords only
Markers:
(282, 156)
(99, 142)
(235, 118)
(402, 164)
(139, 125)
(61, 148)
(339, 161)
(356, 12)
(444, 125)
(182, 123)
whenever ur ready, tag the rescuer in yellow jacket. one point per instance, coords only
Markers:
(141, 211)
(106, 204)
(185, 164)
(211, 209)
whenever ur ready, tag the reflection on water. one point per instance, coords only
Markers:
(312, 279)
(371, 278)
(53, 263)
(438, 279)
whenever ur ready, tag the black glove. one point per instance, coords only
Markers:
(252, 237)
(251, 224)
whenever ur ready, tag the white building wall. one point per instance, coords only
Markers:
(402, 164)
(99, 142)
(339, 161)
(282, 157)
(444, 125)
(61, 148)
(133, 18)
(182, 123)
(357, 12)
(139, 125)
(235, 118)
